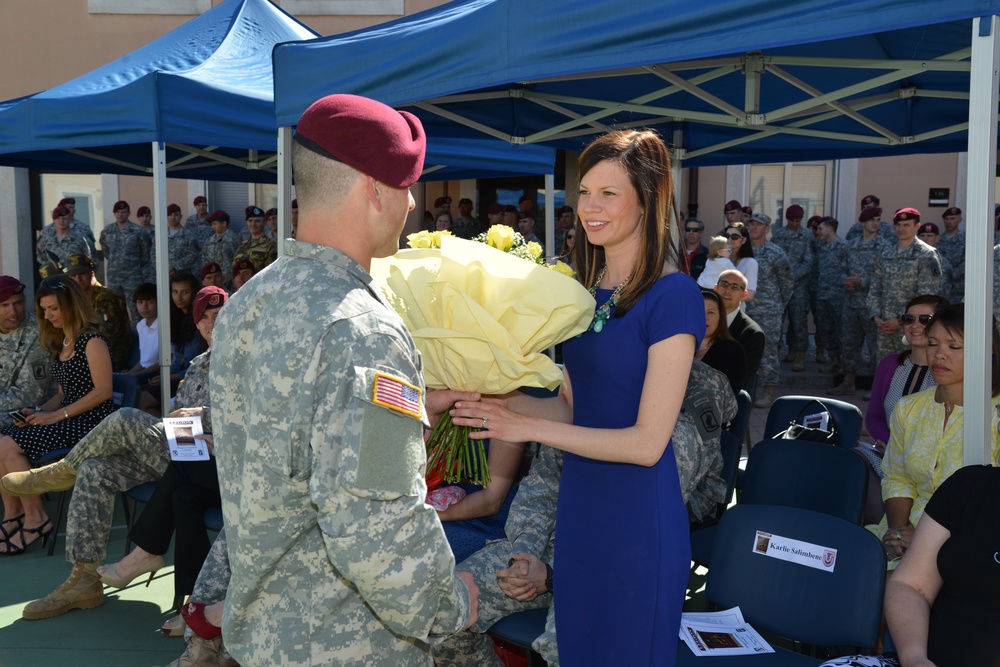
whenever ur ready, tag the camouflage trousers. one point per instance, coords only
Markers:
(127, 293)
(858, 327)
(126, 449)
(797, 312)
(770, 363)
(828, 315)
(890, 343)
(213, 579)
(472, 647)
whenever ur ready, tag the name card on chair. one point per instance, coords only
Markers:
(795, 551)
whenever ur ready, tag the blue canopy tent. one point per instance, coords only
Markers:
(728, 82)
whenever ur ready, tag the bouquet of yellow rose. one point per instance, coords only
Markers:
(482, 317)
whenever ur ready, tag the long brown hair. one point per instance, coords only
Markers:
(721, 331)
(746, 250)
(646, 160)
(77, 313)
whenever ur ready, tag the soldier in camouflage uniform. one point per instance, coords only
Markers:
(128, 448)
(930, 234)
(126, 248)
(320, 410)
(144, 218)
(221, 246)
(952, 246)
(183, 247)
(863, 253)
(58, 240)
(774, 287)
(259, 248)
(198, 223)
(885, 231)
(25, 366)
(507, 588)
(797, 242)
(908, 269)
(109, 306)
(78, 227)
(831, 267)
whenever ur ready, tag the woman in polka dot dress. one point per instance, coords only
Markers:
(71, 329)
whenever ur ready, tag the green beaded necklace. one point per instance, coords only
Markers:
(602, 314)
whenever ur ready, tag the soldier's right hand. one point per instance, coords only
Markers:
(466, 577)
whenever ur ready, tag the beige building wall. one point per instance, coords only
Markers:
(905, 181)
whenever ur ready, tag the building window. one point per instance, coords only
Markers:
(772, 187)
(185, 7)
(344, 7)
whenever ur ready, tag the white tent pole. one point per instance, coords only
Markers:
(979, 237)
(284, 186)
(162, 270)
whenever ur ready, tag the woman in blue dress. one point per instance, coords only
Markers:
(622, 548)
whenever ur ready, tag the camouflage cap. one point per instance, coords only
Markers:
(77, 264)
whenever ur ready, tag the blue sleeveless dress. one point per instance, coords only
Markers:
(622, 551)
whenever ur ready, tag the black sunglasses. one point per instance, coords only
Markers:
(691, 229)
(54, 283)
(733, 237)
(910, 319)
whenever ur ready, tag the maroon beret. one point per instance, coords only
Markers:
(67, 201)
(747, 210)
(928, 228)
(9, 286)
(253, 212)
(524, 198)
(442, 201)
(270, 212)
(119, 205)
(210, 267)
(954, 210)
(869, 213)
(870, 200)
(375, 139)
(495, 209)
(241, 265)
(60, 211)
(143, 210)
(218, 215)
(208, 297)
(295, 203)
(173, 208)
(814, 221)
(510, 208)
(906, 214)
(199, 200)
(794, 212)
(731, 205)
(465, 200)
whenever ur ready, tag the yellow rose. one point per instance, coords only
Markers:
(421, 239)
(500, 237)
(563, 268)
(436, 237)
(534, 249)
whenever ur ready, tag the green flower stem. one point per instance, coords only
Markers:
(460, 459)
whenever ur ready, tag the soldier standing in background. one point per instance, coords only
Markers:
(797, 242)
(127, 251)
(831, 267)
(951, 244)
(60, 239)
(908, 269)
(774, 287)
(183, 249)
(320, 408)
(930, 234)
(79, 227)
(863, 253)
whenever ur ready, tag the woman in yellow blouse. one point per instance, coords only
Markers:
(926, 444)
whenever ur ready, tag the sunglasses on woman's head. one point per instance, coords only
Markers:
(910, 319)
(54, 283)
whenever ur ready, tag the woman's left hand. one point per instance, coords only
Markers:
(897, 540)
(493, 421)
(44, 418)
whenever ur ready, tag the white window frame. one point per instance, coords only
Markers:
(786, 186)
(182, 7)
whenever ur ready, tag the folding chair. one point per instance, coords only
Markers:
(785, 409)
(837, 606)
(521, 629)
(740, 425)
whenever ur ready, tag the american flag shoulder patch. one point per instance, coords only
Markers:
(396, 394)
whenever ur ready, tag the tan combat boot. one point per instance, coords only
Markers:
(821, 357)
(832, 367)
(799, 362)
(58, 476)
(766, 398)
(845, 388)
(83, 590)
(204, 653)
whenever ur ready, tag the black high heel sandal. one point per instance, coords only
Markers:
(43, 535)
(19, 520)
